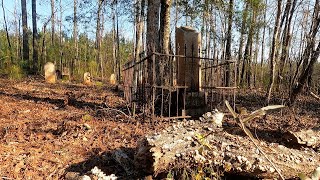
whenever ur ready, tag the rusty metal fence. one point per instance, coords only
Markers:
(166, 86)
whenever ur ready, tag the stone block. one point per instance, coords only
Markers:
(50, 72)
(188, 43)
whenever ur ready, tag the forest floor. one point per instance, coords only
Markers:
(47, 130)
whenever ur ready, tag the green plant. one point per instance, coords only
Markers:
(15, 72)
(87, 117)
(99, 84)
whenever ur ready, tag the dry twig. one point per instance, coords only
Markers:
(253, 115)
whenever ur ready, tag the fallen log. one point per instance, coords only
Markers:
(194, 143)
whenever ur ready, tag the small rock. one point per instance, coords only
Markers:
(84, 138)
(316, 173)
(239, 169)
(261, 168)
(72, 176)
(247, 165)
(272, 170)
(87, 126)
(257, 151)
(85, 177)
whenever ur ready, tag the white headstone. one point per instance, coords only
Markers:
(113, 80)
(50, 72)
(87, 78)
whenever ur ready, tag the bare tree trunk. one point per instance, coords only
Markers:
(310, 55)
(17, 30)
(118, 47)
(114, 40)
(61, 37)
(7, 33)
(53, 18)
(164, 40)
(35, 37)
(256, 52)
(273, 59)
(152, 33)
(288, 14)
(243, 29)
(303, 34)
(25, 32)
(98, 37)
(152, 44)
(139, 28)
(165, 26)
(75, 34)
(248, 51)
(262, 45)
(43, 55)
(228, 44)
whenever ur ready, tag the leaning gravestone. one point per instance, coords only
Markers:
(50, 72)
(87, 78)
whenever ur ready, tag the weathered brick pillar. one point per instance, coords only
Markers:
(188, 43)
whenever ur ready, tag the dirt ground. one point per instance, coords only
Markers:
(47, 130)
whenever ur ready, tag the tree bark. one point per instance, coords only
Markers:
(310, 55)
(262, 45)
(35, 37)
(118, 47)
(75, 34)
(7, 33)
(25, 35)
(248, 50)
(240, 57)
(228, 44)
(43, 55)
(60, 37)
(273, 59)
(53, 18)
(152, 34)
(17, 31)
(152, 45)
(98, 38)
(288, 14)
(164, 41)
(114, 39)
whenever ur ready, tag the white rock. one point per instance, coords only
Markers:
(316, 174)
(272, 170)
(247, 166)
(85, 177)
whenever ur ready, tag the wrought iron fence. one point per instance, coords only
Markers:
(166, 85)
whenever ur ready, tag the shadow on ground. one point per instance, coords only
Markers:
(105, 163)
